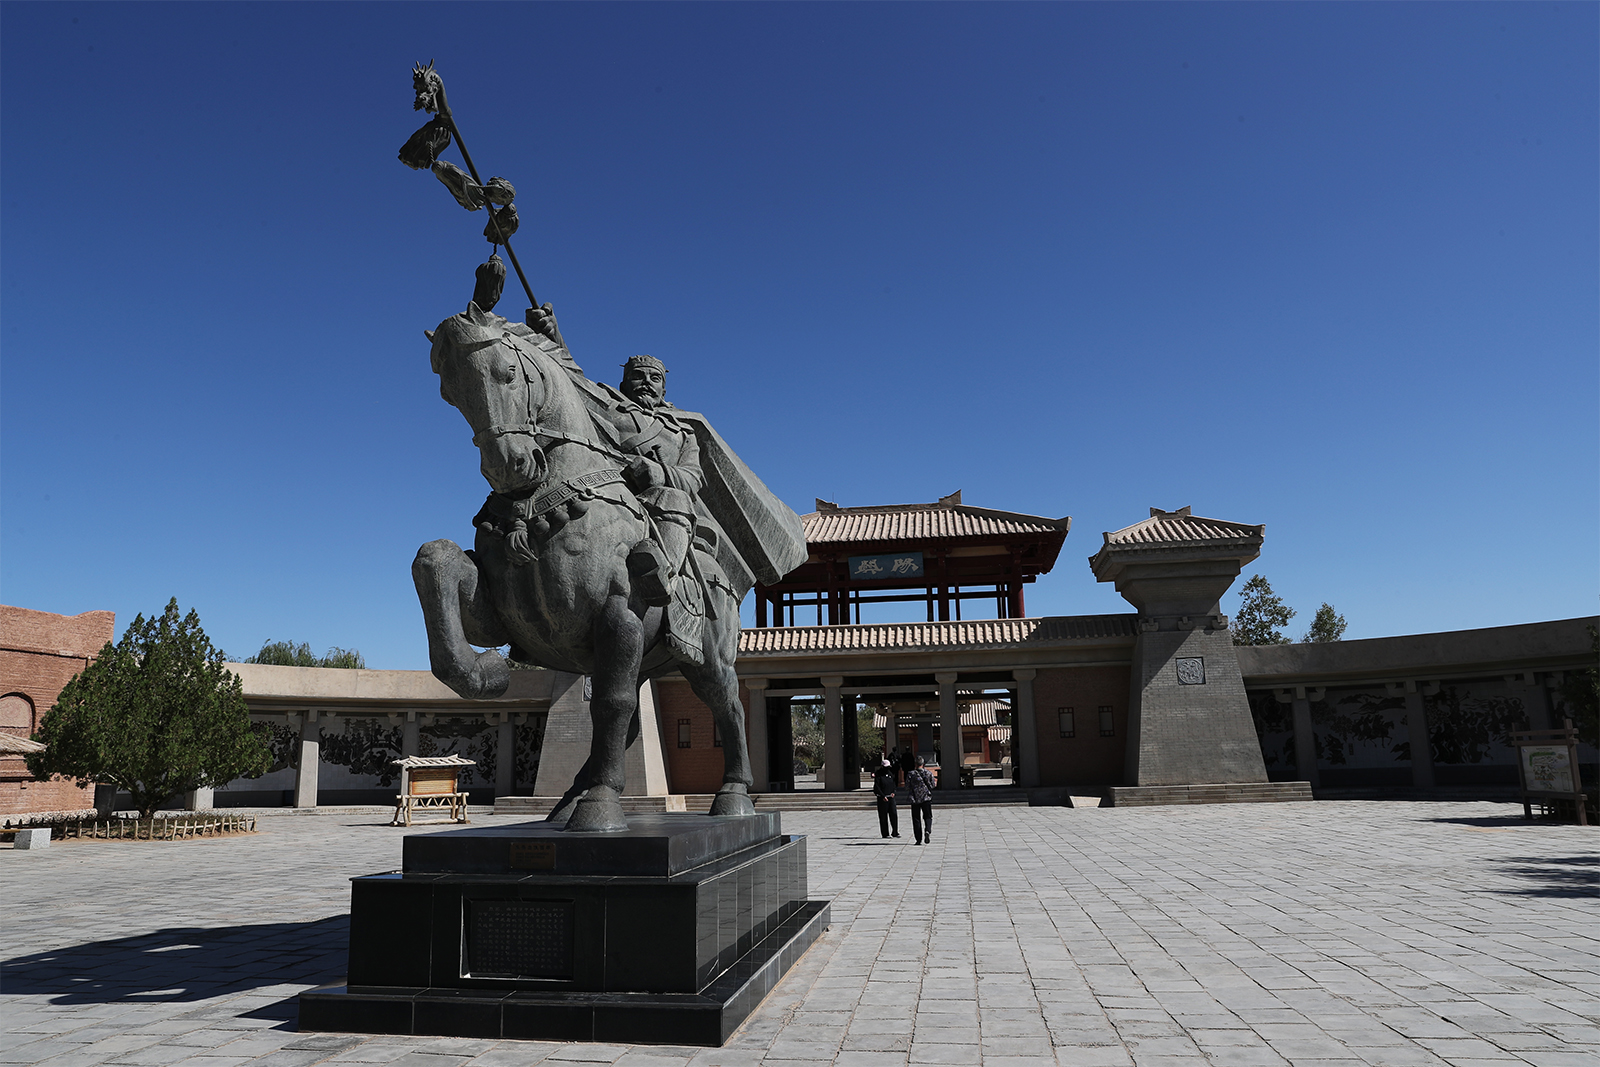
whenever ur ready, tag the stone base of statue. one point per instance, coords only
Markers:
(670, 932)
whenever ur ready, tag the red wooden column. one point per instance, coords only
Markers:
(944, 588)
(1014, 585)
(833, 594)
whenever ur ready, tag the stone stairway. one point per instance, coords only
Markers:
(800, 800)
(1135, 796)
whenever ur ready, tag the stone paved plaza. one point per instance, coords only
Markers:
(1330, 933)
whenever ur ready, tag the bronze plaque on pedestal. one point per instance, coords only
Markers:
(533, 855)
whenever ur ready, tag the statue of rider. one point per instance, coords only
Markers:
(664, 474)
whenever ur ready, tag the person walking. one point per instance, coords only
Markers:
(883, 787)
(920, 783)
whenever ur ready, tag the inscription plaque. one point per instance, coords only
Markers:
(518, 939)
(533, 855)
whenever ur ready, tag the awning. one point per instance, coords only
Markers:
(412, 762)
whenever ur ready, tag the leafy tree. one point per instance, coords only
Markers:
(805, 722)
(1580, 696)
(289, 654)
(1260, 614)
(156, 714)
(869, 738)
(1328, 625)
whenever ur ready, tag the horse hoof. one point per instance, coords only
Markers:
(485, 677)
(728, 802)
(600, 811)
(493, 674)
(563, 811)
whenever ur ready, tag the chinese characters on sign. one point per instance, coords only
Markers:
(901, 565)
(1547, 769)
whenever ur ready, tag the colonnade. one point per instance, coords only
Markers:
(839, 707)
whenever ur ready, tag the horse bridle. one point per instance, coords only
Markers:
(531, 427)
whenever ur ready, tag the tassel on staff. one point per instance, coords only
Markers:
(422, 151)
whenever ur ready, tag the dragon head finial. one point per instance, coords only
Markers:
(429, 87)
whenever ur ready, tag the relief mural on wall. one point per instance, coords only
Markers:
(364, 747)
(468, 738)
(358, 751)
(1367, 730)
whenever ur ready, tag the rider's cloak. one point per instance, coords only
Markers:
(756, 537)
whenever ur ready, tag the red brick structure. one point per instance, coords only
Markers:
(688, 734)
(39, 654)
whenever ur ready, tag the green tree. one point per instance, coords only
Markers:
(1328, 625)
(805, 723)
(1260, 614)
(289, 654)
(869, 738)
(1580, 696)
(156, 714)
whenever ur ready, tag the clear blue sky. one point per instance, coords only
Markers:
(1327, 267)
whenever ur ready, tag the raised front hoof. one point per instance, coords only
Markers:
(732, 800)
(600, 811)
(486, 677)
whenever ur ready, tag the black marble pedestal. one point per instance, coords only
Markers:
(670, 932)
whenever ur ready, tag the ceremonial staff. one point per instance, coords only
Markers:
(422, 151)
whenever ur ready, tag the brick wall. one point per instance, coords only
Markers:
(1086, 758)
(698, 768)
(39, 654)
(1191, 734)
(19, 793)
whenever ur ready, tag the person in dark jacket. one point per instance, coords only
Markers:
(920, 783)
(883, 787)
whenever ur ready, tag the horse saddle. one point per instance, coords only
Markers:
(686, 614)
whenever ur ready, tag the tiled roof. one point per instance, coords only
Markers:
(946, 519)
(12, 745)
(1181, 528)
(983, 712)
(930, 636)
(974, 713)
(410, 762)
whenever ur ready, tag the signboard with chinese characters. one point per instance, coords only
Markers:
(1547, 769)
(896, 565)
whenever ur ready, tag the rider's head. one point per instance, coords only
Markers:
(644, 381)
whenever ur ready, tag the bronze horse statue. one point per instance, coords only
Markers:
(548, 571)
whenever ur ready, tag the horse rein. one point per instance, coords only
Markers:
(531, 428)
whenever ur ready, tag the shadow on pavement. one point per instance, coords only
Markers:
(1559, 876)
(184, 963)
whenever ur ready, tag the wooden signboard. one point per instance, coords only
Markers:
(1547, 761)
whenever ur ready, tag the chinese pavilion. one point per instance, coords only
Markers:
(939, 554)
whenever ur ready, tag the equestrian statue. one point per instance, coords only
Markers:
(620, 532)
(619, 537)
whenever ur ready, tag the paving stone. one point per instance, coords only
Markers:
(1391, 935)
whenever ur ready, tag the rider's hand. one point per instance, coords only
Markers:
(644, 473)
(543, 320)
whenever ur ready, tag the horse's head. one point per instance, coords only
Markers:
(490, 380)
